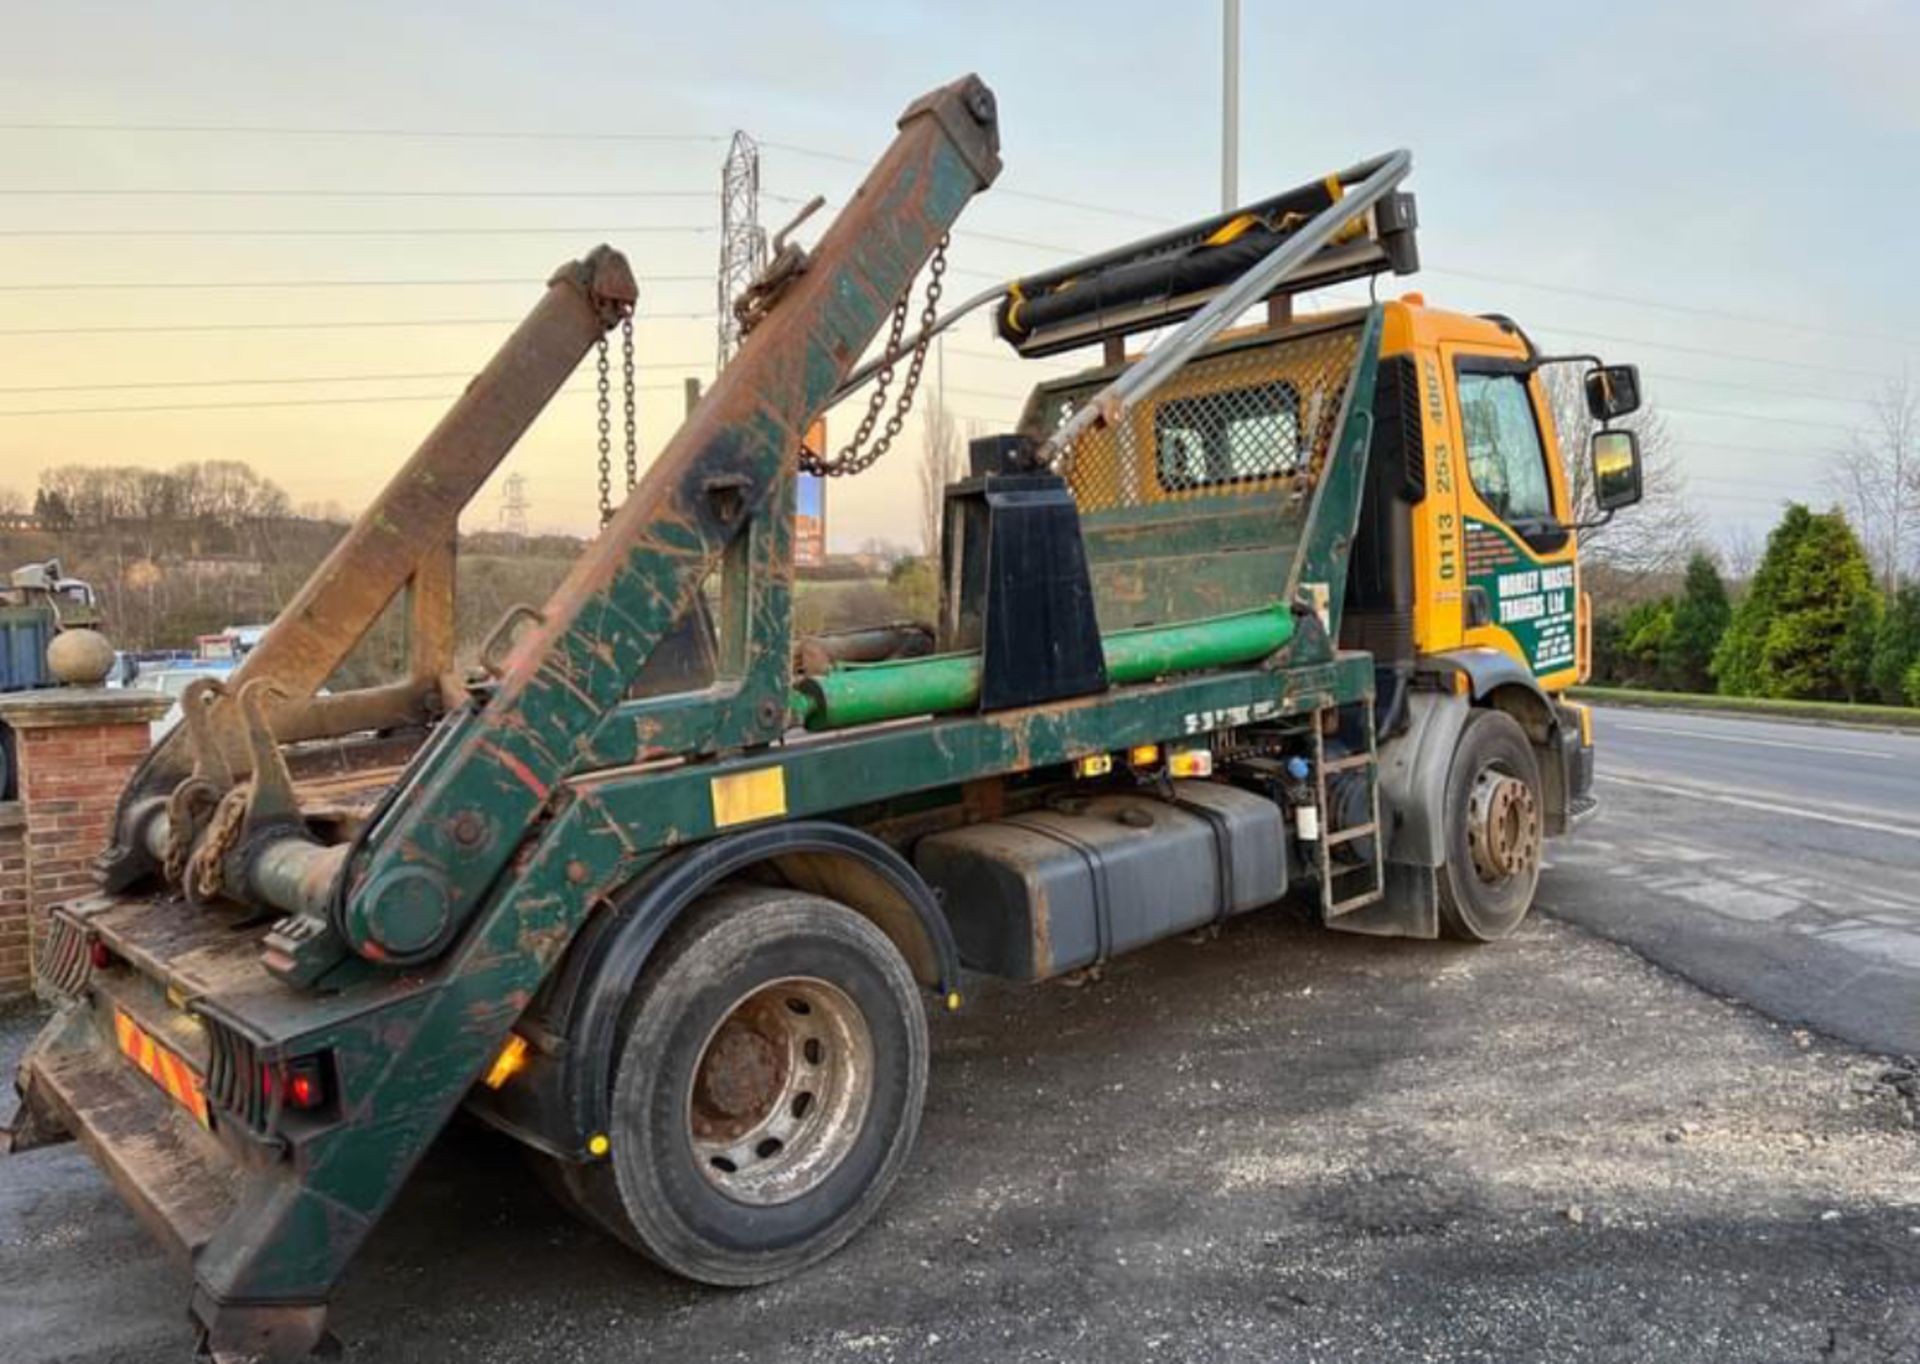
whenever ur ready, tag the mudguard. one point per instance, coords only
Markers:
(1413, 776)
(561, 1100)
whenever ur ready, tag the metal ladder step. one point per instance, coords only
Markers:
(1353, 902)
(1351, 763)
(1374, 867)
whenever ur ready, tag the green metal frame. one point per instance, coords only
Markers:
(540, 800)
(719, 498)
(608, 823)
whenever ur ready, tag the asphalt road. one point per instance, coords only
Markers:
(1285, 1144)
(1775, 863)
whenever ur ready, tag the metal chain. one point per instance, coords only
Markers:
(603, 408)
(853, 459)
(627, 390)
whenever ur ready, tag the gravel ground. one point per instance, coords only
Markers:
(1283, 1145)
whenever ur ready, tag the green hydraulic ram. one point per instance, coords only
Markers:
(864, 694)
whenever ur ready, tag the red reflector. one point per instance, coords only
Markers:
(102, 958)
(303, 1091)
(301, 1085)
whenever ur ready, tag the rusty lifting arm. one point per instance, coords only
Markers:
(472, 794)
(403, 541)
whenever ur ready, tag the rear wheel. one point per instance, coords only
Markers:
(768, 1091)
(1495, 830)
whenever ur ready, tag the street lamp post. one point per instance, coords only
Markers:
(1229, 104)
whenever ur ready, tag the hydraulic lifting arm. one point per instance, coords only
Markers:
(475, 872)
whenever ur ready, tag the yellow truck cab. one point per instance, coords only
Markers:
(1462, 582)
(1494, 549)
(1465, 584)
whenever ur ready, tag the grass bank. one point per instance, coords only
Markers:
(1817, 712)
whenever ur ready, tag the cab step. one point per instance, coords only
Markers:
(1338, 892)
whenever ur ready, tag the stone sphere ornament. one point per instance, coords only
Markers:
(80, 658)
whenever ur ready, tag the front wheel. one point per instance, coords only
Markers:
(1495, 830)
(768, 1091)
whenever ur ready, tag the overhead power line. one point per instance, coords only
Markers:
(66, 286)
(1766, 417)
(97, 192)
(1000, 192)
(367, 400)
(799, 149)
(1747, 448)
(417, 377)
(1663, 377)
(1663, 305)
(688, 228)
(1712, 351)
(143, 329)
(295, 130)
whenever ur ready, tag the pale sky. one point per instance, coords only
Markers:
(1724, 193)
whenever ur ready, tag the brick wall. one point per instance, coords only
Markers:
(74, 750)
(15, 974)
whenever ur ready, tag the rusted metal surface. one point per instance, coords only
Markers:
(171, 1171)
(295, 874)
(406, 1045)
(404, 538)
(410, 702)
(781, 1092)
(430, 618)
(518, 817)
(728, 468)
(403, 541)
(412, 521)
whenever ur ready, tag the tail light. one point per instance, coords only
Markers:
(299, 1084)
(258, 1093)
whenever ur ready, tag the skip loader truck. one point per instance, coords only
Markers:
(1280, 610)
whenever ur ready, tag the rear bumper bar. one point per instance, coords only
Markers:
(178, 1177)
(171, 1171)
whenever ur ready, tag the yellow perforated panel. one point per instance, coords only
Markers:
(1255, 414)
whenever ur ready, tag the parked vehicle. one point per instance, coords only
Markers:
(173, 680)
(1281, 610)
(37, 602)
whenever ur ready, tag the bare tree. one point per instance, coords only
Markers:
(12, 502)
(1876, 476)
(940, 460)
(1740, 551)
(1653, 538)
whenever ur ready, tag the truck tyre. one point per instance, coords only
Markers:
(1494, 830)
(768, 1090)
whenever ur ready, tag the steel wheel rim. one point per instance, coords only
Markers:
(781, 1091)
(1503, 826)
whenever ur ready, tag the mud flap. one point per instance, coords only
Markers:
(1413, 774)
(1409, 909)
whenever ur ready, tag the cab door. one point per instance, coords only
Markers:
(1521, 594)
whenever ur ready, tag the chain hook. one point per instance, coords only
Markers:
(854, 459)
(632, 411)
(603, 407)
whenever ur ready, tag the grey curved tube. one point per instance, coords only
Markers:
(1173, 351)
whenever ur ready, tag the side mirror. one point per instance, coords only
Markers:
(1613, 391)
(1615, 457)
